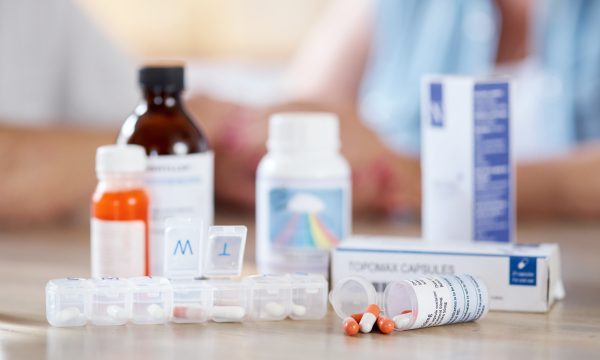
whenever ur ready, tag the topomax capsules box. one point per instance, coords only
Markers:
(518, 277)
(466, 163)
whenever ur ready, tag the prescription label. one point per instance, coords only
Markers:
(118, 248)
(179, 186)
(492, 176)
(447, 300)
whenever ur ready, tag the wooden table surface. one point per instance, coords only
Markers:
(30, 257)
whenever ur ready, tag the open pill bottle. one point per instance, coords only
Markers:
(67, 301)
(416, 303)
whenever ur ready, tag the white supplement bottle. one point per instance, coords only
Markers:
(303, 194)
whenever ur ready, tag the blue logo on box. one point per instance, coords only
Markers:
(436, 106)
(523, 270)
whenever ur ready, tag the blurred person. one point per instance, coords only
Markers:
(363, 61)
(365, 58)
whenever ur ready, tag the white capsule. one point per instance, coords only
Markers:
(367, 322)
(116, 312)
(69, 314)
(228, 313)
(155, 311)
(274, 309)
(402, 321)
(298, 310)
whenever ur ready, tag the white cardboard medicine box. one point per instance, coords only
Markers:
(518, 277)
(466, 159)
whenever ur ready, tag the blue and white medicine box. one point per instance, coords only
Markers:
(518, 277)
(466, 162)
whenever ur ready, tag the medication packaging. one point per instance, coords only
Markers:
(303, 194)
(180, 162)
(119, 223)
(415, 303)
(466, 159)
(518, 277)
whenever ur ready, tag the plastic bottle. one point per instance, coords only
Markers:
(180, 163)
(119, 223)
(303, 194)
(415, 303)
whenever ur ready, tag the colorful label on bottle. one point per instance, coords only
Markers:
(301, 216)
(118, 248)
(178, 186)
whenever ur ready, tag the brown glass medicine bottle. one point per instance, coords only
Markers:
(179, 178)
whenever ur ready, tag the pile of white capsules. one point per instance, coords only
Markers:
(158, 300)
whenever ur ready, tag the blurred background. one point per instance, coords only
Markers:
(68, 79)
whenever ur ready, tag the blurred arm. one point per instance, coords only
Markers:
(46, 173)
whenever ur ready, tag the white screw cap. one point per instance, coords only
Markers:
(111, 159)
(299, 131)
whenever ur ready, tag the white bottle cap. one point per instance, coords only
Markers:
(111, 159)
(299, 131)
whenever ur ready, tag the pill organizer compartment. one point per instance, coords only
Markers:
(229, 300)
(192, 300)
(270, 296)
(110, 301)
(309, 296)
(67, 302)
(152, 300)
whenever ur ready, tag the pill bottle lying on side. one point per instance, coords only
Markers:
(417, 303)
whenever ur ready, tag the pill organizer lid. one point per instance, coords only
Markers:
(268, 281)
(225, 251)
(352, 295)
(149, 283)
(306, 280)
(69, 284)
(183, 248)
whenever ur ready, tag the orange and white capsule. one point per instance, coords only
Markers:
(402, 320)
(350, 326)
(369, 318)
(357, 317)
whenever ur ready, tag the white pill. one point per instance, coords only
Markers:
(402, 321)
(298, 310)
(228, 313)
(367, 322)
(274, 309)
(116, 312)
(155, 311)
(69, 314)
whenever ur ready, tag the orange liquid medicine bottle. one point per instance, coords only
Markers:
(119, 221)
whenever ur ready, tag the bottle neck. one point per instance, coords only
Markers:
(120, 181)
(161, 98)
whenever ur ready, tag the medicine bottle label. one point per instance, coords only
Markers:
(178, 186)
(448, 299)
(295, 217)
(118, 248)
